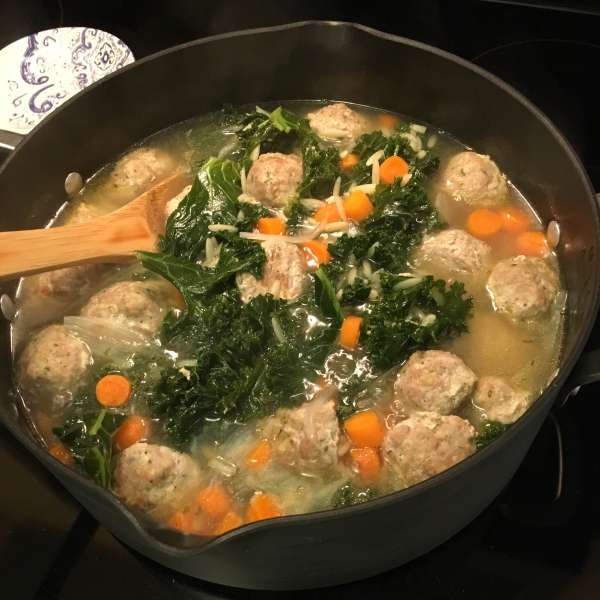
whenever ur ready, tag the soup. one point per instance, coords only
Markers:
(345, 303)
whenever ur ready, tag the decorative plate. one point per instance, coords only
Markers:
(39, 72)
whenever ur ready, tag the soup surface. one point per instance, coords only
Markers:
(344, 303)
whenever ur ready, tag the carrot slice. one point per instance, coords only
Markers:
(483, 223)
(349, 162)
(350, 332)
(532, 243)
(113, 390)
(183, 520)
(214, 501)
(134, 430)
(358, 206)
(389, 121)
(514, 220)
(262, 506)
(62, 453)
(367, 461)
(260, 455)
(271, 226)
(330, 211)
(230, 521)
(365, 429)
(392, 168)
(315, 254)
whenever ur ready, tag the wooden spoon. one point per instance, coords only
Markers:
(113, 238)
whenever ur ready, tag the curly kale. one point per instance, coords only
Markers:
(348, 495)
(491, 430)
(320, 169)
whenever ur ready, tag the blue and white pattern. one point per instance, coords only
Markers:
(39, 72)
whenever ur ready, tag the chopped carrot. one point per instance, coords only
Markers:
(260, 455)
(271, 226)
(367, 461)
(349, 162)
(389, 121)
(63, 454)
(134, 430)
(183, 520)
(113, 390)
(262, 506)
(230, 521)
(392, 168)
(330, 211)
(358, 206)
(178, 299)
(364, 429)
(315, 254)
(214, 501)
(514, 220)
(532, 243)
(483, 223)
(350, 332)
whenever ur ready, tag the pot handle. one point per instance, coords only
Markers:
(586, 370)
(9, 140)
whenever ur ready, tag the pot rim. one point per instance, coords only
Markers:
(421, 488)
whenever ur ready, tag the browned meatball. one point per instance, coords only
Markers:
(53, 360)
(133, 303)
(474, 179)
(500, 401)
(337, 121)
(427, 444)
(455, 249)
(273, 178)
(306, 438)
(523, 287)
(155, 479)
(284, 273)
(433, 381)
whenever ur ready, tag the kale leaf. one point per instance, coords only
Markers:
(415, 318)
(320, 169)
(348, 495)
(296, 212)
(89, 438)
(491, 430)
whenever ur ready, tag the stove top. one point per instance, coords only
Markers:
(541, 538)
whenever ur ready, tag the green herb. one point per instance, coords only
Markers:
(490, 431)
(89, 438)
(296, 213)
(355, 293)
(320, 169)
(348, 495)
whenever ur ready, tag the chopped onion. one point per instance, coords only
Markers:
(343, 154)
(419, 128)
(222, 466)
(428, 320)
(371, 250)
(334, 134)
(262, 111)
(243, 179)
(220, 227)
(352, 260)
(340, 294)
(290, 239)
(277, 330)
(352, 275)
(312, 203)
(185, 373)
(240, 216)
(405, 179)
(553, 234)
(340, 207)
(374, 158)
(431, 141)
(560, 302)
(421, 154)
(373, 294)
(247, 198)
(187, 362)
(336, 187)
(210, 250)
(255, 153)
(407, 283)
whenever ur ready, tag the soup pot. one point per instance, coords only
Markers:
(310, 61)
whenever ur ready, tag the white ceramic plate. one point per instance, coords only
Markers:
(39, 72)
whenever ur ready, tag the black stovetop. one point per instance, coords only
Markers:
(541, 538)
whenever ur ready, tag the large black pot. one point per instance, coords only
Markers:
(317, 61)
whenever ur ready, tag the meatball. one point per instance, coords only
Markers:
(273, 178)
(172, 204)
(133, 303)
(139, 170)
(500, 401)
(53, 359)
(455, 249)
(427, 444)
(71, 280)
(155, 479)
(433, 381)
(523, 287)
(337, 121)
(306, 438)
(284, 273)
(474, 179)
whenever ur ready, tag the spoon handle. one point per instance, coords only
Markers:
(113, 238)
